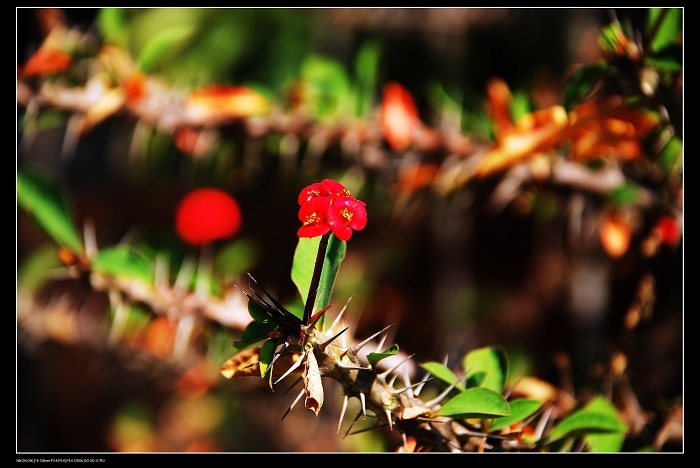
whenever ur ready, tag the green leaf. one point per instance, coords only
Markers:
(267, 353)
(671, 156)
(487, 368)
(624, 194)
(374, 358)
(581, 82)
(443, 373)
(477, 402)
(520, 105)
(328, 85)
(303, 266)
(253, 333)
(366, 70)
(236, 257)
(163, 45)
(37, 268)
(41, 199)
(599, 416)
(605, 443)
(113, 26)
(123, 261)
(669, 31)
(668, 60)
(520, 409)
(257, 309)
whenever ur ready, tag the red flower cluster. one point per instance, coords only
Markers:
(328, 206)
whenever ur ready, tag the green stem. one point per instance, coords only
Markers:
(316, 278)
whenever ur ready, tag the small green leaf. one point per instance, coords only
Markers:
(487, 368)
(267, 353)
(164, 45)
(581, 82)
(253, 333)
(599, 416)
(37, 268)
(366, 69)
(328, 85)
(41, 198)
(624, 194)
(671, 156)
(520, 409)
(668, 60)
(257, 309)
(520, 105)
(124, 261)
(443, 373)
(113, 26)
(374, 358)
(477, 402)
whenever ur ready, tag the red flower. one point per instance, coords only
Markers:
(346, 214)
(207, 214)
(314, 215)
(327, 187)
(47, 61)
(328, 205)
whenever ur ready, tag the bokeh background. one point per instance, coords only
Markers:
(452, 273)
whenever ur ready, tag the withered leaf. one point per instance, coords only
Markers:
(242, 364)
(312, 384)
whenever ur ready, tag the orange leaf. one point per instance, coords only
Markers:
(159, 337)
(47, 61)
(399, 116)
(226, 102)
(533, 134)
(499, 99)
(243, 364)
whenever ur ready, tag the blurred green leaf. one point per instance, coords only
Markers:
(520, 105)
(366, 72)
(235, 258)
(124, 261)
(624, 194)
(491, 363)
(520, 409)
(374, 358)
(668, 60)
(163, 46)
(37, 268)
(581, 82)
(669, 30)
(114, 26)
(599, 416)
(671, 156)
(477, 402)
(41, 198)
(327, 85)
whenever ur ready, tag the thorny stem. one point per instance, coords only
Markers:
(316, 278)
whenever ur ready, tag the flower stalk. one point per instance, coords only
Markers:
(316, 277)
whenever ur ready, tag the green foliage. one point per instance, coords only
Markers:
(374, 358)
(366, 76)
(443, 373)
(476, 402)
(254, 332)
(327, 85)
(41, 198)
(582, 82)
(37, 268)
(520, 409)
(486, 368)
(668, 29)
(598, 417)
(123, 261)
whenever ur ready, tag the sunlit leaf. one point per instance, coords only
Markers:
(520, 409)
(476, 403)
(442, 372)
(41, 198)
(492, 362)
(37, 268)
(374, 358)
(327, 85)
(242, 364)
(671, 156)
(599, 416)
(124, 261)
